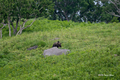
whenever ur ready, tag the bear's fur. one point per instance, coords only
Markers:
(57, 44)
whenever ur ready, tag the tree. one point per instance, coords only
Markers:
(111, 9)
(77, 10)
(88, 11)
(116, 11)
(65, 9)
(5, 11)
(20, 11)
(99, 13)
(3, 21)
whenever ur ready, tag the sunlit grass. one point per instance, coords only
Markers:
(93, 49)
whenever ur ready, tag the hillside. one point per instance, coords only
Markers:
(95, 52)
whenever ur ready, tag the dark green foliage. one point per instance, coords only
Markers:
(1, 55)
(84, 10)
(107, 8)
(75, 10)
(81, 10)
(5, 51)
(115, 20)
(3, 62)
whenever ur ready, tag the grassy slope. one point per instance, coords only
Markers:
(92, 48)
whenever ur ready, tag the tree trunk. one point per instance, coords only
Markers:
(21, 29)
(15, 29)
(65, 13)
(1, 29)
(17, 22)
(1, 33)
(9, 26)
(66, 17)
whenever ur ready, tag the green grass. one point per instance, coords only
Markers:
(92, 57)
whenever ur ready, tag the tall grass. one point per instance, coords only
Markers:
(95, 52)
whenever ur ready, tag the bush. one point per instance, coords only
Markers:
(5, 51)
(3, 62)
(115, 20)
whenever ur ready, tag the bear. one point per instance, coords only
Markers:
(57, 44)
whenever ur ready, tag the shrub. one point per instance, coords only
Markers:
(5, 51)
(3, 62)
(39, 43)
(115, 20)
(42, 43)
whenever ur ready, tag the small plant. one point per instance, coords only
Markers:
(42, 43)
(39, 43)
(89, 22)
(19, 46)
(3, 62)
(5, 51)
(1, 55)
(115, 20)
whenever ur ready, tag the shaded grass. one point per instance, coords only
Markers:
(93, 48)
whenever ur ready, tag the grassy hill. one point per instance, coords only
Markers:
(95, 52)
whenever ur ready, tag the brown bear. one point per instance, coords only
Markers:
(57, 44)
